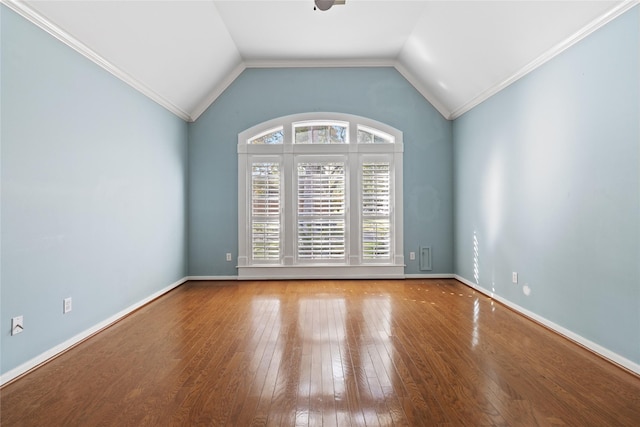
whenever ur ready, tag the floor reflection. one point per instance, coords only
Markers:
(324, 354)
(475, 335)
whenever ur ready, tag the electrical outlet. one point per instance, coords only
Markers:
(17, 325)
(66, 307)
(514, 277)
(412, 256)
(228, 256)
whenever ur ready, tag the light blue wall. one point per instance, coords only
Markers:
(548, 178)
(93, 192)
(94, 183)
(258, 95)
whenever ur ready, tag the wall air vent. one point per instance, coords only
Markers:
(425, 258)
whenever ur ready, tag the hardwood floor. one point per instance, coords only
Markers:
(309, 353)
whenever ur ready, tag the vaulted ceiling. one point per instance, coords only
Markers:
(183, 54)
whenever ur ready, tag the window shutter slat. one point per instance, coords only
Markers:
(376, 202)
(265, 211)
(321, 210)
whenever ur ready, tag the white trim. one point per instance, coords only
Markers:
(217, 91)
(345, 272)
(23, 9)
(405, 276)
(321, 63)
(77, 339)
(221, 278)
(545, 57)
(415, 82)
(580, 340)
(429, 276)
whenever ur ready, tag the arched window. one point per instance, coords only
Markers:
(320, 196)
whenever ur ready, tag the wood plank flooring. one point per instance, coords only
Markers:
(324, 353)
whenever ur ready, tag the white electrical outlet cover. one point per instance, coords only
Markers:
(17, 325)
(67, 305)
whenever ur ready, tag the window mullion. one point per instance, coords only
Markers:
(288, 214)
(354, 215)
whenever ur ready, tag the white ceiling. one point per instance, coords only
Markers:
(183, 54)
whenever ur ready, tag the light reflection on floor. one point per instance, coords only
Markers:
(359, 361)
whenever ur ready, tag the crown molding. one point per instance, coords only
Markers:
(217, 91)
(22, 9)
(547, 56)
(319, 63)
(415, 82)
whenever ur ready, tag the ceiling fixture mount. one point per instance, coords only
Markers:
(326, 4)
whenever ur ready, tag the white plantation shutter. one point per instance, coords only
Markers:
(320, 195)
(265, 211)
(321, 211)
(376, 214)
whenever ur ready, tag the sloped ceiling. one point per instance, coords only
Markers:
(183, 54)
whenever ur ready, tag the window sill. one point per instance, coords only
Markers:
(283, 272)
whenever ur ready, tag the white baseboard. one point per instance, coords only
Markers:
(429, 276)
(405, 276)
(580, 340)
(77, 339)
(234, 278)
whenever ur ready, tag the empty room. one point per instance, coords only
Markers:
(319, 212)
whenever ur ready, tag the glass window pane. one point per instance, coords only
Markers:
(321, 133)
(372, 136)
(271, 137)
(364, 137)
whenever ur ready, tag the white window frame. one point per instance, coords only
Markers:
(289, 153)
(298, 159)
(251, 216)
(367, 158)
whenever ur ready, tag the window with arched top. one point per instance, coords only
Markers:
(320, 196)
